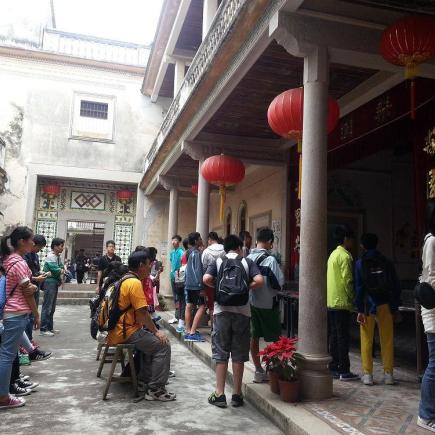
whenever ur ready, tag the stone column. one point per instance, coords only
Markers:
(139, 219)
(203, 204)
(316, 381)
(208, 13)
(178, 75)
(173, 214)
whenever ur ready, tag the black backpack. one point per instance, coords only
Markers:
(232, 286)
(376, 277)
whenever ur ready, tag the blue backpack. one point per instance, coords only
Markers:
(3, 298)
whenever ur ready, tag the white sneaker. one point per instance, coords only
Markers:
(389, 379)
(46, 333)
(55, 331)
(367, 379)
(172, 321)
(426, 424)
(260, 377)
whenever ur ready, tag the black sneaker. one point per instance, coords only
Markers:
(237, 400)
(219, 401)
(27, 385)
(335, 374)
(18, 391)
(39, 355)
(347, 377)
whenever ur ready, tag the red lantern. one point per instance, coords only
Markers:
(409, 42)
(124, 195)
(285, 117)
(51, 190)
(223, 171)
(195, 189)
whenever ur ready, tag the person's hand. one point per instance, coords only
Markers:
(397, 317)
(47, 274)
(29, 290)
(36, 322)
(97, 290)
(162, 337)
(39, 278)
(361, 319)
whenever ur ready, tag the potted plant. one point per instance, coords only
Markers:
(280, 358)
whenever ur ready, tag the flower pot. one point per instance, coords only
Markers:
(289, 390)
(274, 382)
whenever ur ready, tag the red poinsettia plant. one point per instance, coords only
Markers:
(281, 356)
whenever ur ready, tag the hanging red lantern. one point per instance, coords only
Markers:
(285, 117)
(223, 171)
(51, 190)
(124, 195)
(195, 189)
(409, 42)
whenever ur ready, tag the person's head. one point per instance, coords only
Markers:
(265, 238)
(194, 240)
(152, 252)
(140, 263)
(344, 237)
(114, 272)
(246, 238)
(186, 244)
(57, 245)
(40, 243)
(20, 241)
(110, 248)
(140, 248)
(213, 238)
(232, 243)
(176, 241)
(430, 216)
(369, 241)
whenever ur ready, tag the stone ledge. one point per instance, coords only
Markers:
(292, 419)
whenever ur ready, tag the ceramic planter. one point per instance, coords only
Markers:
(274, 382)
(289, 391)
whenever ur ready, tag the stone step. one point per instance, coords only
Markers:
(72, 301)
(80, 287)
(75, 294)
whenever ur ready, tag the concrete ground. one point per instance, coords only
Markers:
(69, 398)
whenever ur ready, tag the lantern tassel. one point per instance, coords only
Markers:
(300, 168)
(222, 202)
(412, 98)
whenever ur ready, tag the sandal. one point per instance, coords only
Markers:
(160, 394)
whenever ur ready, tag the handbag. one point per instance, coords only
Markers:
(425, 295)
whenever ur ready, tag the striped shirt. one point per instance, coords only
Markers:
(17, 271)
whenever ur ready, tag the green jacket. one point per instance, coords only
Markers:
(54, 265)
(340, 280)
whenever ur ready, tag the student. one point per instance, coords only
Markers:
(175, 261)
(377, 301)
(213, 251)
(19, 304)
(53, 265)
(426, 413)
(265, 315)
(80, 261)
(247, 242)
(340, 297)
(231, 323)
(194, 287)
(104, 262)
(150, 341)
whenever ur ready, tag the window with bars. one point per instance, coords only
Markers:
(92, 109)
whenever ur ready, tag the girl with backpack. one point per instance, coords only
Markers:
(19, 304)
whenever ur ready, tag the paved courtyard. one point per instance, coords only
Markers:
(68, 399)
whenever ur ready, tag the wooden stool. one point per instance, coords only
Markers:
(99, 349)
(114, 358)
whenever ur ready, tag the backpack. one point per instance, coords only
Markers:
(375, 277)
(3, 297)
(94, 305)
(232, 287)
(180, 276)
(109, 311)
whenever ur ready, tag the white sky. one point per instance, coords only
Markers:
(124, 20)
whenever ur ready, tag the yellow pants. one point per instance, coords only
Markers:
(384, 319)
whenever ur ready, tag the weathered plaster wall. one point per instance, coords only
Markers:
(44, 94)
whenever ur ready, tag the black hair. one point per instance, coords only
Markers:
(39, 239)
(136, 259)
(19, 233)
(176, 237)
(110, 242)
(186, 244)
(221, 241)
(57, 241)
(369, 241)
(193, 238)
(212, 235)
(140, 248)
(430, 216)
(265, 235)
(114, 272)
(152, 252)
(232, 243)
(243, 235)
(341, 233)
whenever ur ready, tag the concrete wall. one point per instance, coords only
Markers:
(36, 115)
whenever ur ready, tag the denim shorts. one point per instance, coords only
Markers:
(231, 336)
